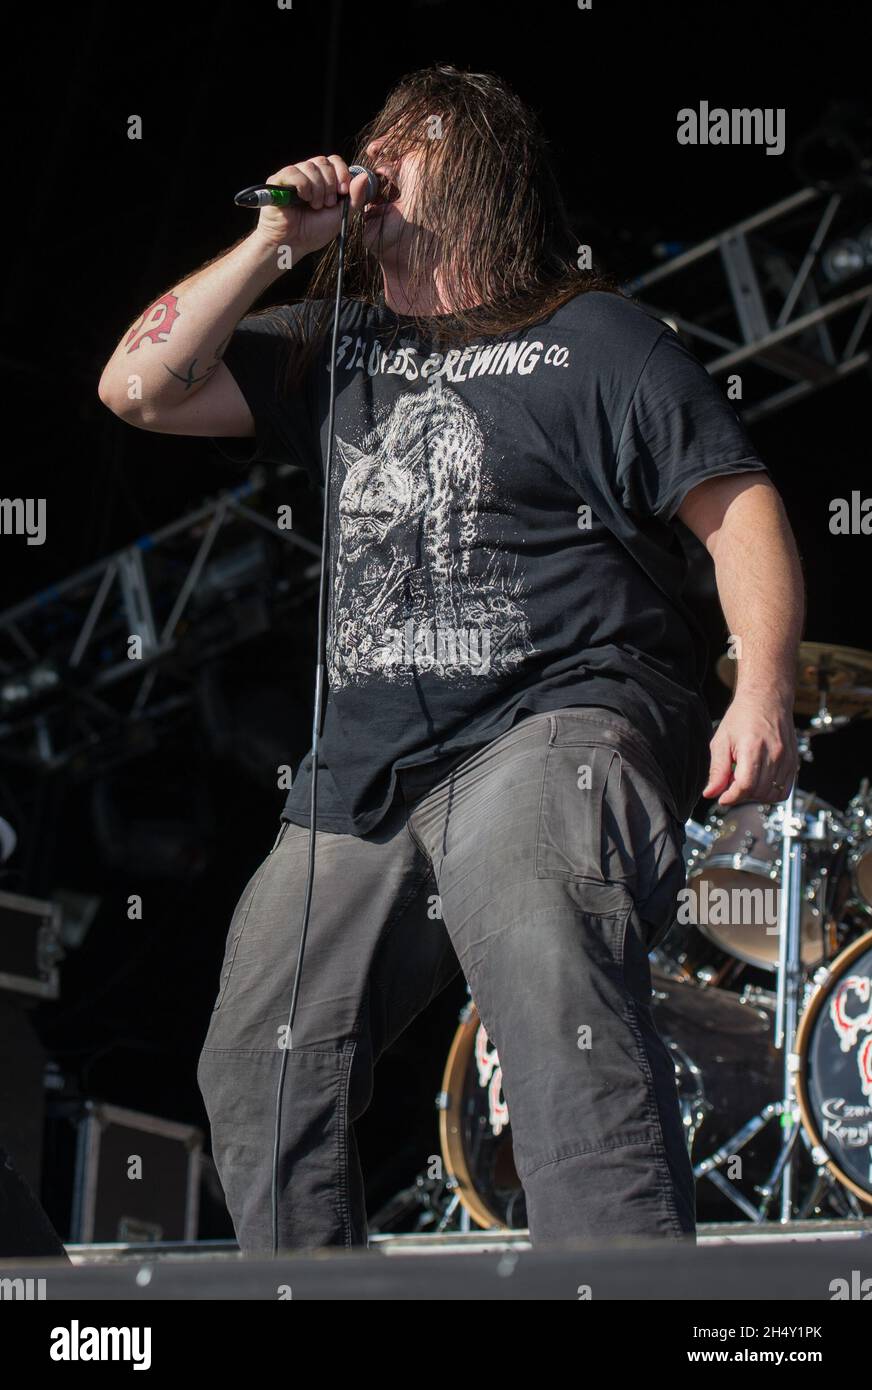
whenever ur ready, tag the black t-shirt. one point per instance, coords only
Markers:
(502, 535)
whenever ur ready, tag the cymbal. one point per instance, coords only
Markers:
(844, 674)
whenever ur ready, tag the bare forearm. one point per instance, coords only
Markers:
(760, 586)
(741, 521)
(177, 343)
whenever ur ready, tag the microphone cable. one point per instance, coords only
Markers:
(317, 724)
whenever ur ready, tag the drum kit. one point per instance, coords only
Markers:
(762, 991)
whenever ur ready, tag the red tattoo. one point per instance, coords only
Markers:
(161, 316)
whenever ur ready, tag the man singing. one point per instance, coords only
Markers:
(514, 732)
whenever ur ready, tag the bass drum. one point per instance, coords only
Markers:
(834, 1079)
(726, 1070)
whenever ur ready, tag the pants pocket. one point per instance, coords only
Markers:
(571, 810)
(603, 821)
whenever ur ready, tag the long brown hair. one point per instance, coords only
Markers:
(489, 200)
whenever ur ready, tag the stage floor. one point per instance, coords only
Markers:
(808, 1261)
(476, 1242)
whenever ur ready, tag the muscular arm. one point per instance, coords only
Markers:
(741, 521)
(166, 374)
(158, 374)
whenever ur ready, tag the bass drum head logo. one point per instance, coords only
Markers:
(839, 1070)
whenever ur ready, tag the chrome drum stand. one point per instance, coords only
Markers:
(795, 832)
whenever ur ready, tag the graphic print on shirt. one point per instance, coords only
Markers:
(408, 597)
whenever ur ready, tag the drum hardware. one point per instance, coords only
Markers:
(789, 984)
(742, 866)
(692, 1100)
(740, 851)
(859, 866)
(794, 828)
(840, 1198)
(706, 975)
(724, 1062)
(861, 877)
(427, 1202)
(831, 678)
(763, 1000)
(728, 1151)
(782, 1171)
(698, 840)
(828, 681)
(789, 1055)
(825, 1182)
(859, 807)
(721, 1045)
(830, 687)
(685, 953)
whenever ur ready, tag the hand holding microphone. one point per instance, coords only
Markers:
(315, 189)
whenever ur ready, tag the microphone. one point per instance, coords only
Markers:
(263, 195)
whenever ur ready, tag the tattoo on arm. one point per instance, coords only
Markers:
(155, 323)
(189, 378)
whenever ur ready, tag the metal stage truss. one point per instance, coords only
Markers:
(66, 678)
(758, 300)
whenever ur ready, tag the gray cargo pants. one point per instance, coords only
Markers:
(556, 860)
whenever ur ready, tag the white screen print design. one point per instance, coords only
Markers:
(413, 592)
